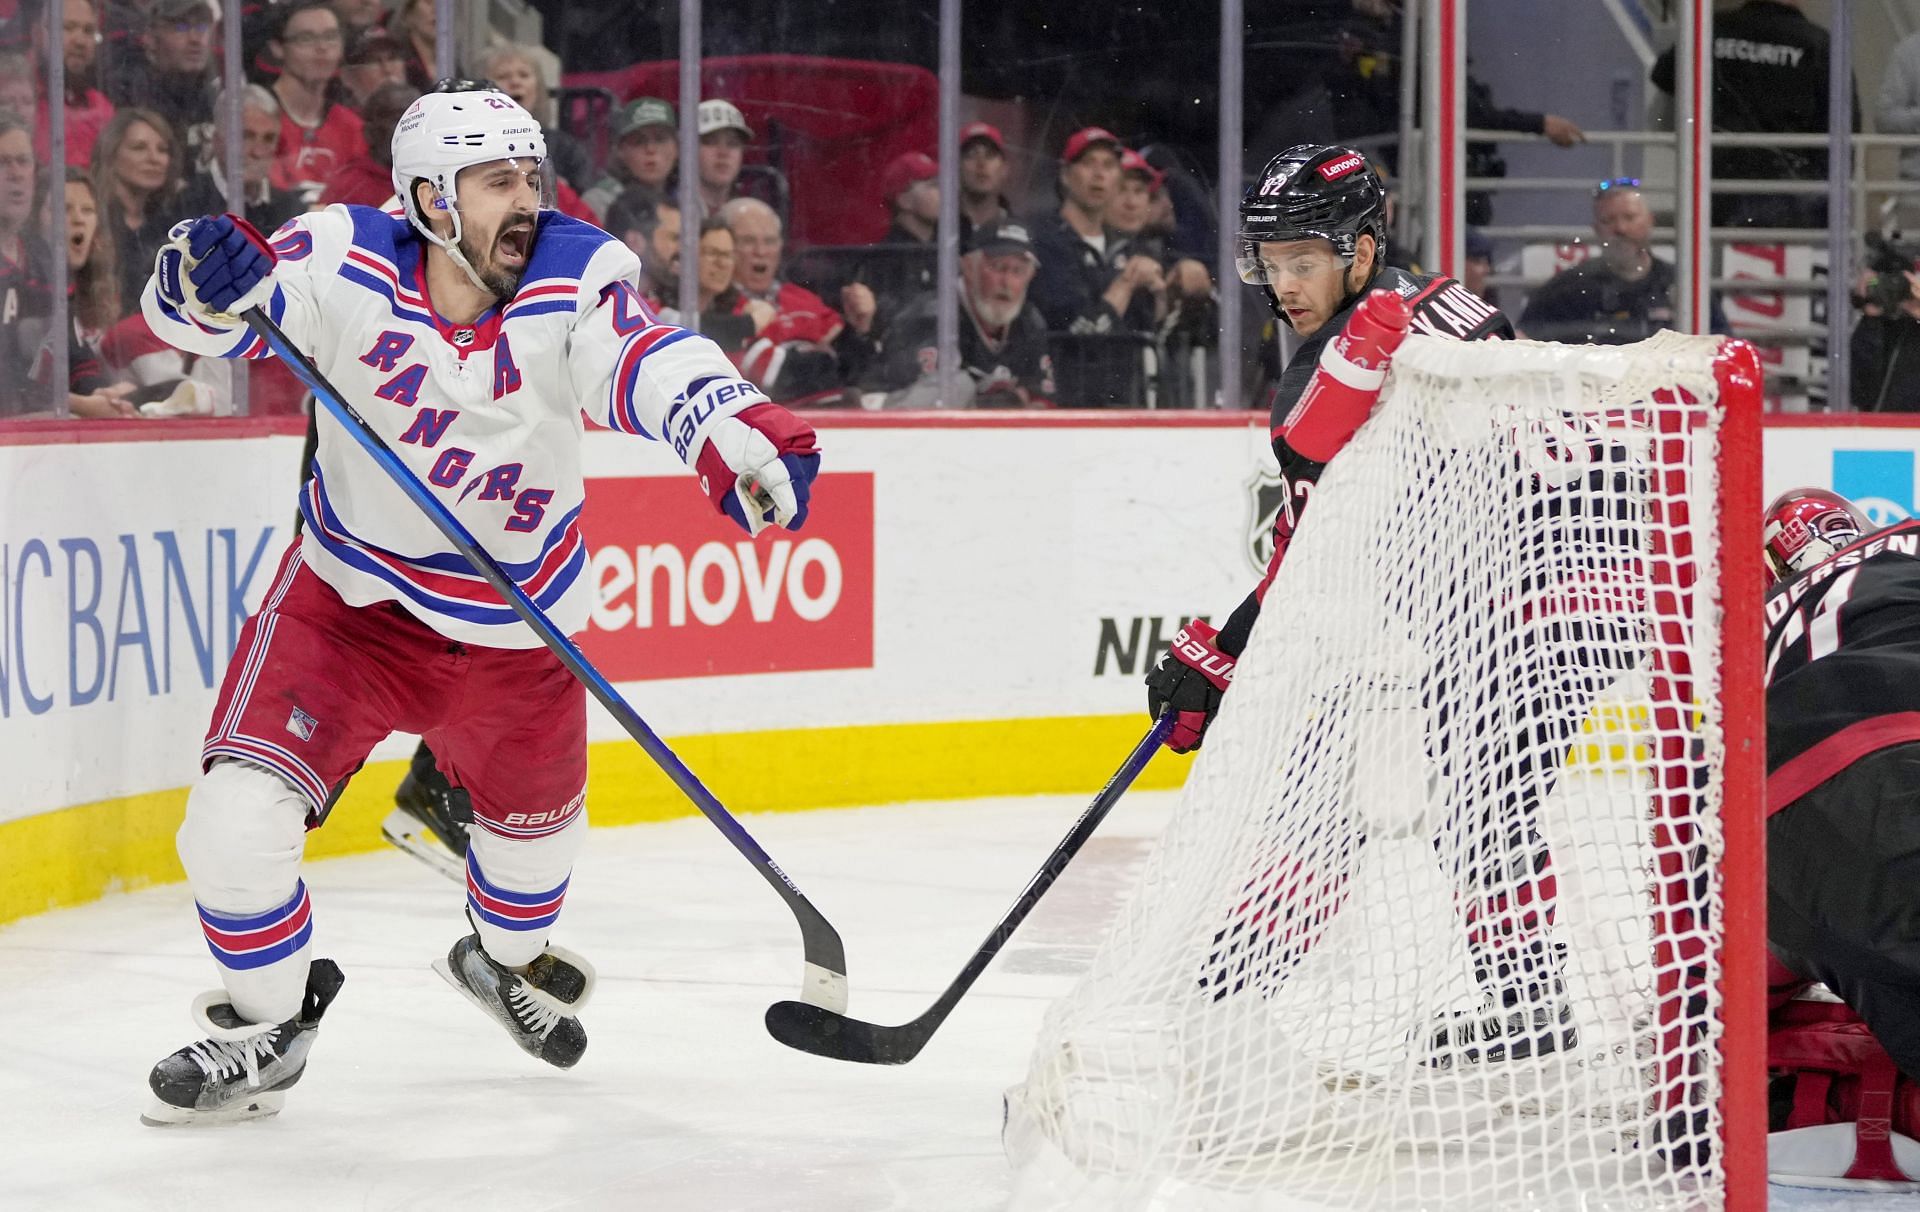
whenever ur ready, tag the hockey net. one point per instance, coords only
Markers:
(1440, 918)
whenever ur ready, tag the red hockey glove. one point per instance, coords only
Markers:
(1191, 676)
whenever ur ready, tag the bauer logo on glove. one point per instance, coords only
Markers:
(1190, 679)
(214, 268)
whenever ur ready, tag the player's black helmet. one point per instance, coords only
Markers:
(1309, 192)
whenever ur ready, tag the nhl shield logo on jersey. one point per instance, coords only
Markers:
(1266, 493)
(463, 337)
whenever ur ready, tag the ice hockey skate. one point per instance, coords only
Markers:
(430, 818)
(537, 1007)
(1525, 1014)
(242, 1070)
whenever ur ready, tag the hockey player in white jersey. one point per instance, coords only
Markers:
(472, 335)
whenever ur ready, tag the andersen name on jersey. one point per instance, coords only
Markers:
(1843, 661)
(488, 415)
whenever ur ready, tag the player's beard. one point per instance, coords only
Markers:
(503, 280)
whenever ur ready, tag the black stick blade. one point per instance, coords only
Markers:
(813, 1029)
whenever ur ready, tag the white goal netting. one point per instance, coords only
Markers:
(1434, 924)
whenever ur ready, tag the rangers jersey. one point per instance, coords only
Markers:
(1843, 662)
(488, 415)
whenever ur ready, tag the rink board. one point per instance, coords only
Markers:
(969, 614)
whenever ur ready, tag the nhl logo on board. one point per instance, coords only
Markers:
(1266, 495)
(301, 724)
(463, 337)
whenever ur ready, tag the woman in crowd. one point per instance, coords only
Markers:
(413, 23)
(93, 304)
(136, 167)
(728, 317)
(516, 72)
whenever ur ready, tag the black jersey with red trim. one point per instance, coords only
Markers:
(1442, 307)
(1843, 661)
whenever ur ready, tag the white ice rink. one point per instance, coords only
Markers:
(414, 1100)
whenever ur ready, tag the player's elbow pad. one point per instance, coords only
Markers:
(1347, 382)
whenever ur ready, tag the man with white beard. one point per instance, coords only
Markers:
(1003, 340)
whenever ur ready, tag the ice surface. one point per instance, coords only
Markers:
(682, 1104)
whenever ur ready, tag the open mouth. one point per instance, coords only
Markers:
(514, 244)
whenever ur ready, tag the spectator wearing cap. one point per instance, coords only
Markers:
(807, 348)
(367, 179)
(514, 69)
(88, 109)
(1089, 284)
(723, 141)
(373, 58)
(903, 265)
(983, 178)
(416, 24)
(175, 73)
(1190, 318)
(317, 134)
(267, 206)
(1003, 340)
(648, 222)
(646, 147)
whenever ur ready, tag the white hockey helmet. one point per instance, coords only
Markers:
(459, 124)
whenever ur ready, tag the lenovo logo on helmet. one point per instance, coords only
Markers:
(1336, 169)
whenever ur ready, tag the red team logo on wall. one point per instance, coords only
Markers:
(679, 591)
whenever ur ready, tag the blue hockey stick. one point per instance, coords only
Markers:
(827, 1032)
(824, 982)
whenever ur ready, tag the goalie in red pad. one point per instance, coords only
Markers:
(1843, 833)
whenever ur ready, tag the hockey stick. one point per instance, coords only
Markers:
(824, 982)
(829, 1033)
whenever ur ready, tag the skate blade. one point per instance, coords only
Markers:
(263, 1105)
(406, 832)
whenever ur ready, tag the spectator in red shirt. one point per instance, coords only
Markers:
(136, 167)
(267, 206)
(807, 349)
(88, 109)
(645, 150)
(367, 179)
(415, 24)
(317, 135)
(373, 57)
(983, 178)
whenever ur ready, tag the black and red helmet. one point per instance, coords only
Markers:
(1310, 191)
(1805, 527)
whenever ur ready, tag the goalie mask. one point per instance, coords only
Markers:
(459, 124)
(1311, 192)
(1806, 527)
